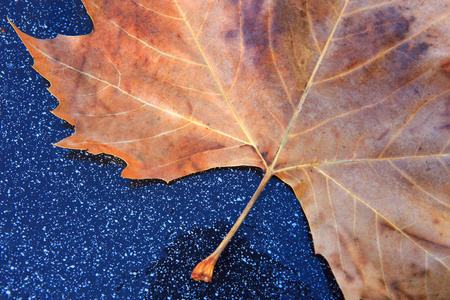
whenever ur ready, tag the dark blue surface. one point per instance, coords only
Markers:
(72, 228)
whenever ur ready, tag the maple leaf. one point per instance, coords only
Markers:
(347, 102)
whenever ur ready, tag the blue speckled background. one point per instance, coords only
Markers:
(73, 228)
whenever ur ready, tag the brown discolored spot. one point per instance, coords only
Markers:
(399, 292)
(348, 276)
(416, 270)
(383, 134)
(386, 225)
(265, 155)
(301, 189)
(381, 282)
(214, 147)
(290, 26)
(321, 215)
(196, 164)
(411, 53)
(356, 63)
(426, 242)
(189, 107)
(420, 49)
(231, 34)
(394, 286)
(392, 25)
(444, 127)
(445, 68)
(254, 25)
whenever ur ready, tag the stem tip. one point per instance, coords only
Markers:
(204, 269)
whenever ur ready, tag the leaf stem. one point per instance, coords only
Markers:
(204, 269)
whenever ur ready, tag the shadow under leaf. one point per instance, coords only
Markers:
(240, 273)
